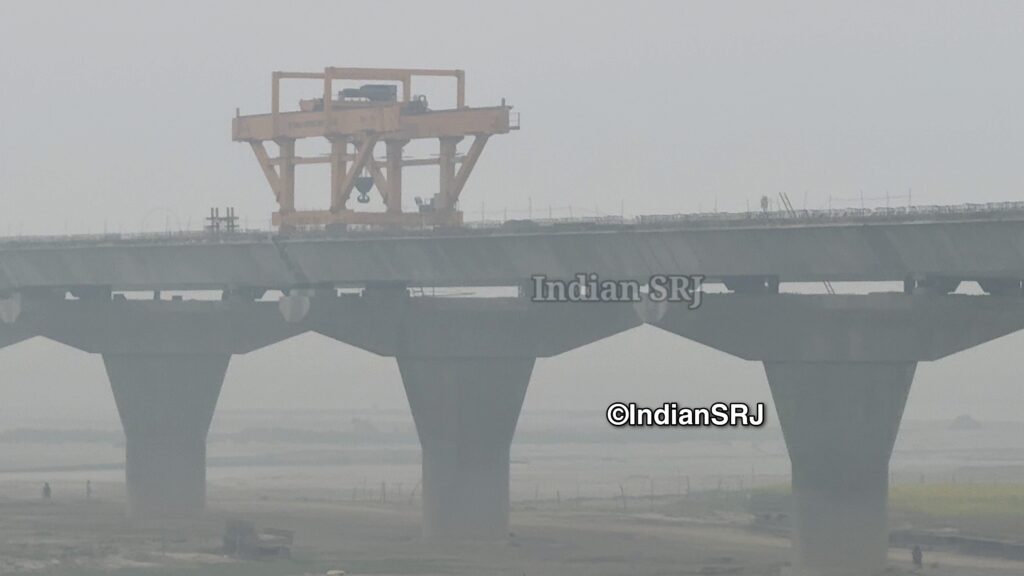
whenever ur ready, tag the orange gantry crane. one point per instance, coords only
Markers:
(355, 121)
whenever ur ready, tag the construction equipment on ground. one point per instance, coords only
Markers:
(242, 539)
(354, 121)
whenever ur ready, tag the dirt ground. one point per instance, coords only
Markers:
(78, 537)
(687, 508)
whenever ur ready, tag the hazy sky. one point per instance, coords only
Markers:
(117, 115)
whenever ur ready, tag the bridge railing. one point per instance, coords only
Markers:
(987, 211)
(992, 210)
(177, 236)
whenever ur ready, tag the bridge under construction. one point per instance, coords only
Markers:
(839, 365)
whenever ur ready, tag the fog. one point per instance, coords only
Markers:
(116, 117)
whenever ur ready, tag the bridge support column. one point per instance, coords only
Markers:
(840, 368)
(166, 361)
(465, 411)
(840, 421)
(166, 403)
(465, 364)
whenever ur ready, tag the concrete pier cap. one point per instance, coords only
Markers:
(465, 365)
(166, 361)
(840, 368)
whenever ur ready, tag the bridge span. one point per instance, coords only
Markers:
(839, 366)
(985, 242)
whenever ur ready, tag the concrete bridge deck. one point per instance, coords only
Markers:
(803, 247)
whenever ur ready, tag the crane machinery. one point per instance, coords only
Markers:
(356, 121)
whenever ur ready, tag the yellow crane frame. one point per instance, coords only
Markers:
(362, 126)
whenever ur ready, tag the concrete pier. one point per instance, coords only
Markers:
(840, 369)
(465, 364)
(840, 421)
(166, 404)
(166, 362)
(465, 411)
